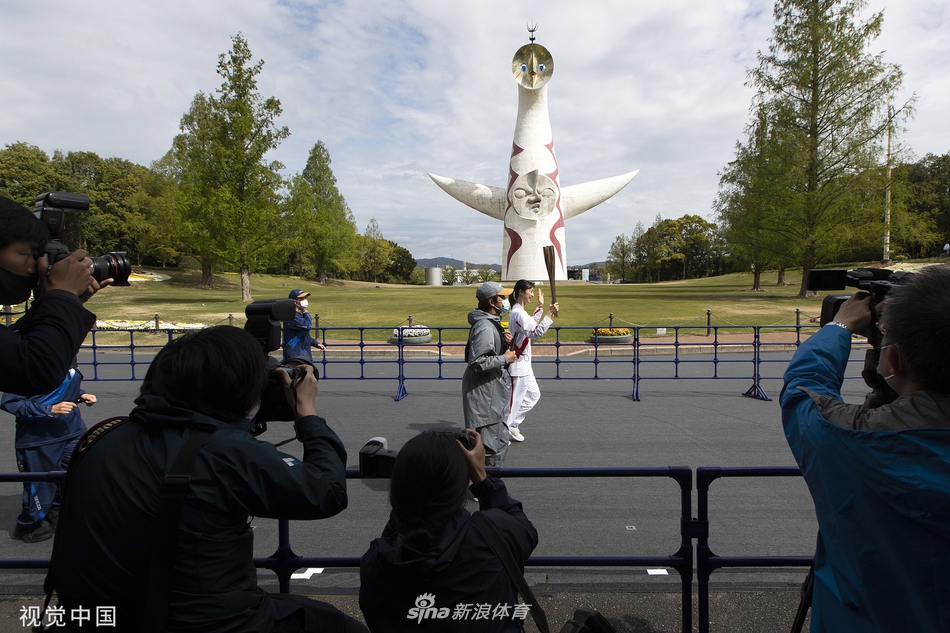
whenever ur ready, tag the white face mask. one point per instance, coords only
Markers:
(304, 303)
(889, 376)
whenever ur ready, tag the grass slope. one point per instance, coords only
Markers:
(353, 304)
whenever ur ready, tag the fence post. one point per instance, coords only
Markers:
(708, 322)
(156, 323)
(611, 319)
(316, 321)
(231, 320)
(8, 314)
(401, 363)
(410, 320)
(756, 391)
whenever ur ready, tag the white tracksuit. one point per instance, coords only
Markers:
(525, 392)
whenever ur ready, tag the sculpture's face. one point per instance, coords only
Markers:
(532, 66)
(533, 195)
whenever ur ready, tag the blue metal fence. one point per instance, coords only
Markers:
(706, 561)
(284, 562)
(693, 353)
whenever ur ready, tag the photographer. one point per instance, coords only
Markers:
(879, 477)
(207, 382)
(431, 555)
(38, 351)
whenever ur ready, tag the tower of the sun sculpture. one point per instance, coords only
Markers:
(534, 206)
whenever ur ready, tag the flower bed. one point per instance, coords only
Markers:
(607, 335)
(415, 335)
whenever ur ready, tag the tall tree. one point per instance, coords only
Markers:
(620, 257)
(826, 97)
(752, 200)
(375, 251)
(231, 189)
(324, 233)
(26, 172)
(401, 264)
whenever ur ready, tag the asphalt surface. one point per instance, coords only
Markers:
(691, 421)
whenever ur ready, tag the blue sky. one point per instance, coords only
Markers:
(396, 89)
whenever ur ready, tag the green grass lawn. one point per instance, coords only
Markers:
(358, 304)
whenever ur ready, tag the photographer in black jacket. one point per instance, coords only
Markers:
(210, 380)
(37, 352)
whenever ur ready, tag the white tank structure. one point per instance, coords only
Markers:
(534, 206)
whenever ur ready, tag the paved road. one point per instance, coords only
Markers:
(580, 423)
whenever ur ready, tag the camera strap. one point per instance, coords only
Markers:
(162, 566)
(497, 543)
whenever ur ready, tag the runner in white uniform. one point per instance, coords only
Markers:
(524, 328)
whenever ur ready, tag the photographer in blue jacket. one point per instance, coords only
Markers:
(879, 477)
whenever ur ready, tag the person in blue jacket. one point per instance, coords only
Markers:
(297, 337)
(879, 477)
(47, 428)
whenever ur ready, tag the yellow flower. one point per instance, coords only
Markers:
(611, 331)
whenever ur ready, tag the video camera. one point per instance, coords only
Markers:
(51, 209)
(877, 282)
(264, 323)
(377, 459)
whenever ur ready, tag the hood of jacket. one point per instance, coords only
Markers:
(155, 411)
(412, 564)
(478, 315)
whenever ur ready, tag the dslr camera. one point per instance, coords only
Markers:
(51, 209)
(264, 323)
(377, 459)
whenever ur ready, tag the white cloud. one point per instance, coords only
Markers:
(398, 88)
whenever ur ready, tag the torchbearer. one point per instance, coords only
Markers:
(524, 328)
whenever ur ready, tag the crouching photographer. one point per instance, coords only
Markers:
(38, 351)
(879, 476)
(433, 563)
(156, 516)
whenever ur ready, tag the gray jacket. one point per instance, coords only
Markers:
(485, 381)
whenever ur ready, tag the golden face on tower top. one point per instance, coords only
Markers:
(532, 66)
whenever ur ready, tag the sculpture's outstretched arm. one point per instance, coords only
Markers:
(579, 198)
(488, 200)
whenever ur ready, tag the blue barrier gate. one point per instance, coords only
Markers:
(634, 361)
(706, 561)
(285, 562)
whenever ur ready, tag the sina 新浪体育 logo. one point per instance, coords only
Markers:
(425, 608)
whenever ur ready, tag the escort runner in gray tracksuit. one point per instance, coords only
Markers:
(485, 383)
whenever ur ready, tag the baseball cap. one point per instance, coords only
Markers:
(299, 294)
(489, 289)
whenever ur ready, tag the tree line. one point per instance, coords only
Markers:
(214, 198)
(819, 178)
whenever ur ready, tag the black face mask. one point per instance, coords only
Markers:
(15, 289)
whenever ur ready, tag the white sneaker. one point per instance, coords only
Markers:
(515, 434)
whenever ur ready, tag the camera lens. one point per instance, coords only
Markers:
(114, 265)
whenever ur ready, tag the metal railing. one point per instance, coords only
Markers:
(284, 561)
(706, 561)
(363, 353)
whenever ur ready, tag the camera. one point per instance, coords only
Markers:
(51, 209)
(875, 281)
(264, 322)
(377, 459)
